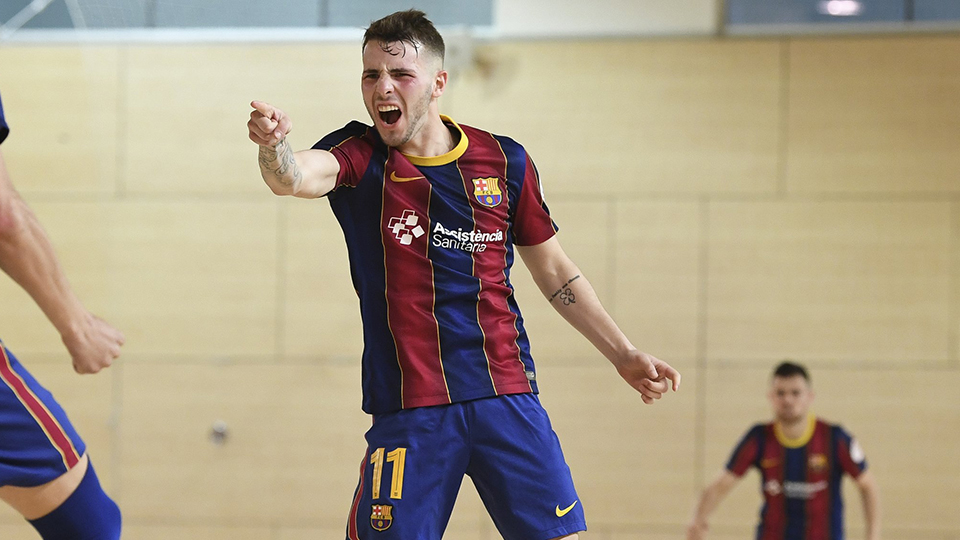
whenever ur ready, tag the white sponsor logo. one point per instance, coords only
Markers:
(473, 241)
(406, 227)
(795, 490)
(772, 487)
(856, 453)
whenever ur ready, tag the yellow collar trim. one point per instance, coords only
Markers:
(449, 157)
(802, 440)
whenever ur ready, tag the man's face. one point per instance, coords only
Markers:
(790, 397)
(399, 82)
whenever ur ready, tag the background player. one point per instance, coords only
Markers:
(431, 212)
(45, 472)
(801, 460)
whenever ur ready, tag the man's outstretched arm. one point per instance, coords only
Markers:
(709, 500)
(307, 174)
(870, 496)
(569, 292)
(27, 256)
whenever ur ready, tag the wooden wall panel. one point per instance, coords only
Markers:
(295, 438)
(195, 277)
(20, 530)
(955, 286)
(829, 280)
(469, 520)
(634, 116)
(583, 231)
(62, 106)
(194, 139)
(140, 530)
(305, 533)
(185, 277)
(874, 115)
(657, 253)
(321, 310)
(620, 449)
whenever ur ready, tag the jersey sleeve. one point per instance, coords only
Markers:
(850, 456)
(4, 129)
(747, 451)
(352, 149)
(532, 223)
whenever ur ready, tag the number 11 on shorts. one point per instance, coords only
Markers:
(398, 457)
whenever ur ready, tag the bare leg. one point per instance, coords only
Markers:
(36, 502)
(574, 536)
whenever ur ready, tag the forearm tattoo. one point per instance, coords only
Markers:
(280, 162)
(566, 293)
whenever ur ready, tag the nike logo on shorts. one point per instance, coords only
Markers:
(561, 513)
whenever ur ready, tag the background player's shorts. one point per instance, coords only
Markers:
(416, 459)
(37, 442)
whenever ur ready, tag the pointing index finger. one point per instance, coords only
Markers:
(263, 108)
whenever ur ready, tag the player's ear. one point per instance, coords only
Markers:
(440, 83)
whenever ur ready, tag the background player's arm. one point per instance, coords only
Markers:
(573, 297)
(27, 256)
(870, 496)
(709, 500)
(308, 173)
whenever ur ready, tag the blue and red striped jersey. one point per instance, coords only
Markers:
(430, 242)
(800, 478)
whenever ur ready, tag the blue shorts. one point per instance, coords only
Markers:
(37, 441)
(416, 459)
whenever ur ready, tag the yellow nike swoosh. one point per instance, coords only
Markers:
(561, 513)
(395, 178)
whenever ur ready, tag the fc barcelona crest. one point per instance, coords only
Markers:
(380, 517)
(487, 191)
(817, 463)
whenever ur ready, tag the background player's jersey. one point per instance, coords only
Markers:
(800, 478)
(431, 242)
(4, 129)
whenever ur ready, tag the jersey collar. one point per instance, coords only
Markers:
(443, 159)
(802, 440)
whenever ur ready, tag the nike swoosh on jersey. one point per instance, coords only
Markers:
(395, 178)
(561, 513)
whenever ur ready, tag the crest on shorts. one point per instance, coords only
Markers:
(817, 463)
(487, 191)
(380, 517)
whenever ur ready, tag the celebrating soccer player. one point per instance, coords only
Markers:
(431, 211)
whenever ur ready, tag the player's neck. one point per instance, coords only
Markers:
(434, 139)
(794, 428)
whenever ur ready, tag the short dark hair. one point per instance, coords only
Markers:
(791, 369)
(411, 26)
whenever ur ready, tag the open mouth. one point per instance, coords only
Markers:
(389, 114)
